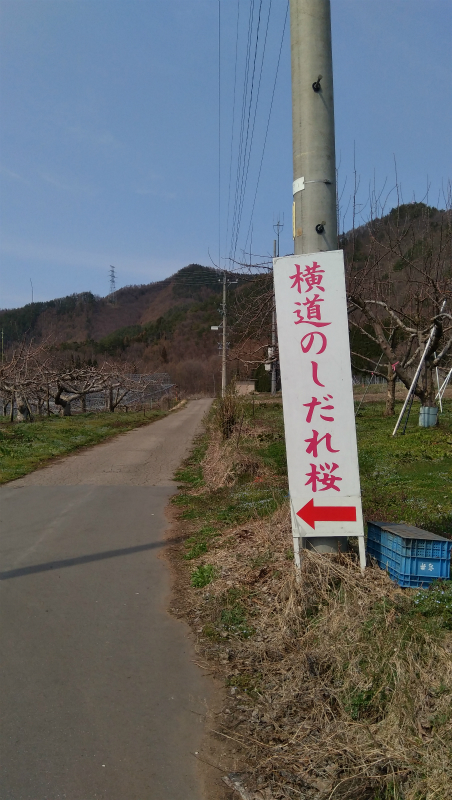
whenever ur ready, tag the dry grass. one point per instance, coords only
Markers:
(224, 462)
(338, 690)
(337, 687)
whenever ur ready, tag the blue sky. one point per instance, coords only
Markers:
(109, 134)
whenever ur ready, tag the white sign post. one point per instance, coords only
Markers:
(314, 354)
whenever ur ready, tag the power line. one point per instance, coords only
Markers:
(260, 21)
(249, 149)
(219, 131)
(268, 121)
(243, 115)
(241, 167)
(242, 185)
(233, 119)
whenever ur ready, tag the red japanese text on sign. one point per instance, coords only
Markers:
(311, 309)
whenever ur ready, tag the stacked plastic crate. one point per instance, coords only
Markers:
(411, 556)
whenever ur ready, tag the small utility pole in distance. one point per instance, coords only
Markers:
(273, 383)
(223, 328)
(223, 353)
(277, 227)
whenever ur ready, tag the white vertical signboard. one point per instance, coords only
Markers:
(314, 353)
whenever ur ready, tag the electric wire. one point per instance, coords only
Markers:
(246, 149)
(219, 132)
(241, 173)
(250, 107)
(248, 160)
(268, 121)
(243, 127)
(242, 116)
(233, 120)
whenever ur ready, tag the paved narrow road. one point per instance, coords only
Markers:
(99, 695)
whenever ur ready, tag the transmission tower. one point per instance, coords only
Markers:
(112, 279)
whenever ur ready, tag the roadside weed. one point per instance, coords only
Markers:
(202, 576)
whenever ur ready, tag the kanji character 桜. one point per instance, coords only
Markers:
(323, 476)
(314, 442)
(312, 306)
(314, 276)
(314, 403)
(308, 340)
(297, 279)
(311, 313)
(315, 376)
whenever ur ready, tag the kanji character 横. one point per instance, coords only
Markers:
(314, 442)
(308, 340)
(324, 477)
(315, 376)
(314, 276)
(297, 279)
(311, 313)
(313, 405)
(312, 306)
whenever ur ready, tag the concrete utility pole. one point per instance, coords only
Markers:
(314, 160)
(223, 352)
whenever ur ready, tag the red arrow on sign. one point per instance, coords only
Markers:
(312, 514)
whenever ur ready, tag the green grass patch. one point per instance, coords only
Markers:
(234, 621)
(202, 575)
(230, 616)
(436, 601)
(25, 446)
(191, 471)
(406, 477)
(275, 455)
(401, 631)
(230, 506)
(247, 682)
(198, 543)
(253, 501)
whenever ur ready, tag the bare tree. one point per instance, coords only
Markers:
(398, 277)
(34, 374)
(252, 319)
(21, 379)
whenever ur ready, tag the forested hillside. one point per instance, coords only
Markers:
(159, 325)
(400, 261)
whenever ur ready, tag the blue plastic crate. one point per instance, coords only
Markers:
(411, 556)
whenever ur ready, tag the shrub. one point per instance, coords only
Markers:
(227, 411)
